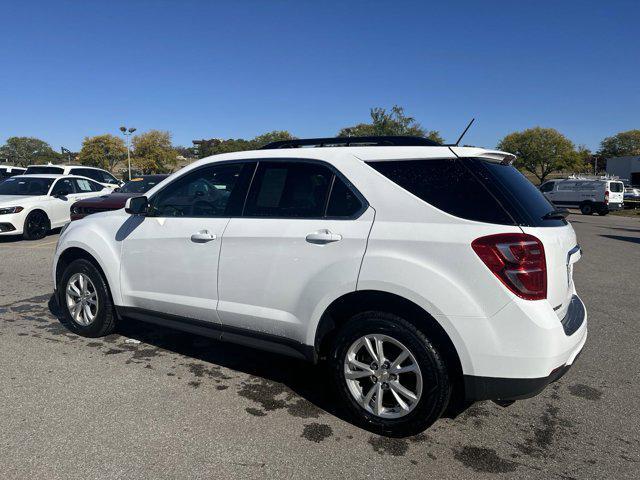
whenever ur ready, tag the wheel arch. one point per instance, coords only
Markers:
(347, 305)
(73, 253)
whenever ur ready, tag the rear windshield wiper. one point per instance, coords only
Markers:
(556, 214)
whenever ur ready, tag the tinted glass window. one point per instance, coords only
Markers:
(25, 186)
(547, 187)
(342, 202)
(63, 187)
(44, 170)
(447, 185)
(289, 190)
(142, 184)
(215, 191)
(616, 187)
(516, 193)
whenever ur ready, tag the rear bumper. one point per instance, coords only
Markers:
(615, 206)
(501, 388)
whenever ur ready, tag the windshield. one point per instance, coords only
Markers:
(46, 170)
(140, 185)
(25, 186)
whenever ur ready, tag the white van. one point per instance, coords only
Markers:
(590, 196)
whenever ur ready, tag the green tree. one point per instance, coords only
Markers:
(541, 151)
(394, 122)
(23, 151)
(621, 144)
(215, 146)
(102, 151)
(153, 152)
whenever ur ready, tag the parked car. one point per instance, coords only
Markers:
(7, 171)
(632, 197)
(426, 276)
(590, 196)
(99, 175)
(31, 205)
(117, 199)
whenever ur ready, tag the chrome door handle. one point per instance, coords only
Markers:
(323, 236)
(203, 236)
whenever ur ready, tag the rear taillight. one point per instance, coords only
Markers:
(606, 198)
(517, 259)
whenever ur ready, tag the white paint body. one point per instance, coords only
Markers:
(57, 209)
(261, 274)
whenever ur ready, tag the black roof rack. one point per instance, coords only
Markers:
(375, 141)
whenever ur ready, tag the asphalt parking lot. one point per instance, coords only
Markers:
(153, 403)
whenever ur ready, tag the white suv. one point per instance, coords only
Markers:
(427, 276)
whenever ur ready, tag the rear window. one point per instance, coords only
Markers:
(616, 187)
(44, 170)
(472, 188)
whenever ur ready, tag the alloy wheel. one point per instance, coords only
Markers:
(383, 376)
(82, 299)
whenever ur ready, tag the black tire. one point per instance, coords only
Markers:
(586, 209)
(436, 383)
(36, 225)
(105, 319)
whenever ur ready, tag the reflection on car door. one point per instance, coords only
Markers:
(291, 249)
(170, 257)
(62, 196)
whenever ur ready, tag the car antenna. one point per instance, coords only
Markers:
(463, 133)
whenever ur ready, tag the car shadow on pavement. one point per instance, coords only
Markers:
(623, 239)
(310, 382)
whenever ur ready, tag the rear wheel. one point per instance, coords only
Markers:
(36, 225)
(603, 212)
(586, 209)
(84, 298)
(389, 374)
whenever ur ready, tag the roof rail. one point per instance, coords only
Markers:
(373, 141)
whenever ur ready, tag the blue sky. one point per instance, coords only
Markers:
(70, 69)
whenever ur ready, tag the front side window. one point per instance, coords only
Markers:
(289, 190)
(547, 187)
(63, 187)
(25, 186)
(213, 191)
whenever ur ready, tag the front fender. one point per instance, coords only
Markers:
(96, 237)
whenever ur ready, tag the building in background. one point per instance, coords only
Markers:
(626, 168)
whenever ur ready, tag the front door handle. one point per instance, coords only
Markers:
(203, 236)
(323, 236)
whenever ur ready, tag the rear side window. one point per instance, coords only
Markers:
(616, 187)
(289, 190)
(447, 185)
(343, 202)
(474, 189)
(85, 186)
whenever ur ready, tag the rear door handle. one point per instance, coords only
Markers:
(323, 236)
(203, 236)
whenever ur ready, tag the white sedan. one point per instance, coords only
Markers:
(31, 205)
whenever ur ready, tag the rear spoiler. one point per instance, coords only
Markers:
(496, 156)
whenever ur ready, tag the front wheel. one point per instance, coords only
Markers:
(36, 225)
(84, 298)
(389, 374)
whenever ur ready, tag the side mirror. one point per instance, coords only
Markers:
(136, 205)
(61, 194)
(116, 190)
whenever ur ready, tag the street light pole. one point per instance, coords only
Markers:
(127, 136)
